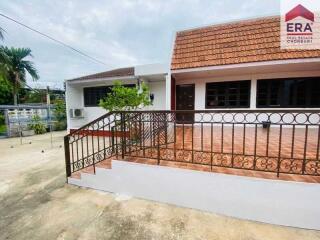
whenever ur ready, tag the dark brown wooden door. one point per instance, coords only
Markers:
(185, 101)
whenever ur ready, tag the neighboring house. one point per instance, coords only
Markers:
(84, 93)
(236, 65)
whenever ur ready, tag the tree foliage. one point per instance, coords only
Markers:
(5, 92)
(38, 96)
(1, 33)
(60, 115)
(14, 67)
(126, 98)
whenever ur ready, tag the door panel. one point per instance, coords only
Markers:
(185, 101)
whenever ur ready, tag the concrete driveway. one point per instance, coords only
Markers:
(35, 203)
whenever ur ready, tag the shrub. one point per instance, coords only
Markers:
(2, 119)
(59, 126)
(122, 98)
(36, 125)
(126, 98)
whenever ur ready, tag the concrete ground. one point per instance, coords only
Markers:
(35, 203)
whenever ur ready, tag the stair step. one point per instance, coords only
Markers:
(76, 175)
(106, 164)
(88, 170)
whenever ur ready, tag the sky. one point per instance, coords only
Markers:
(119, 33)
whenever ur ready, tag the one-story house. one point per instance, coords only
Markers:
(258, 116)
(235, 65)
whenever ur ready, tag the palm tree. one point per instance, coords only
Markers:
(1, 33)
(3, 56)
(15, 68)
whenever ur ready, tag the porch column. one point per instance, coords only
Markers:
(173, 93)
(67, 100)
(168, 92)
(253, 93)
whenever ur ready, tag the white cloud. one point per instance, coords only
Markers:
(118, 32)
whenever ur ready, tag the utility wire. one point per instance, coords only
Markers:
(53, 39)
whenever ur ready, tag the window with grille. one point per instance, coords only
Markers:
(289, 93)
(235, 94)
(92, 95)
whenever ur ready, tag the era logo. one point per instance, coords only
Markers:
(299, 27)
(303, 27)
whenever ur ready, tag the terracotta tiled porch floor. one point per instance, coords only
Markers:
(255, 152)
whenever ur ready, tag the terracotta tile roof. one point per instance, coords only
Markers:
(119, 72)
(246, 41)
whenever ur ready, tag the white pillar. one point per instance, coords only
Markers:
(253, 94)
(200, 96)
(168, 91)
(67, 96)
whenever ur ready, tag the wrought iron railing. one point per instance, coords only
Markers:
(111, 135)
(278, 141)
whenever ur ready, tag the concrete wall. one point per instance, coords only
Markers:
(200, 84)
(271, 201)
(159, 91)
(151, 69)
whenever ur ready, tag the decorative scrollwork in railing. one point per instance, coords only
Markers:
(283, 142)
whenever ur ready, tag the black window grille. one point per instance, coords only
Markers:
(92, 95)
(289, 93)
(235, 94)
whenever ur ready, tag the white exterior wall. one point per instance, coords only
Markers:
(157, 78)
(75, 99)
(168, 92)
(161, 88)
(200, 84)
(159, 91)
(154, 75)
(271, 201)
(150, 69)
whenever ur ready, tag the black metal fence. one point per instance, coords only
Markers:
(270, 141)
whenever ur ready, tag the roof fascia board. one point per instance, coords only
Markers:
(101, 79)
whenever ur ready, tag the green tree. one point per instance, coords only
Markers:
(126, 98)
(1, 33)
(60, 115)
(38, 96)
(5, 92)
(15, 68)
(3, 57)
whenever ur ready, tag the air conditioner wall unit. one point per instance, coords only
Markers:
(76, 113)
